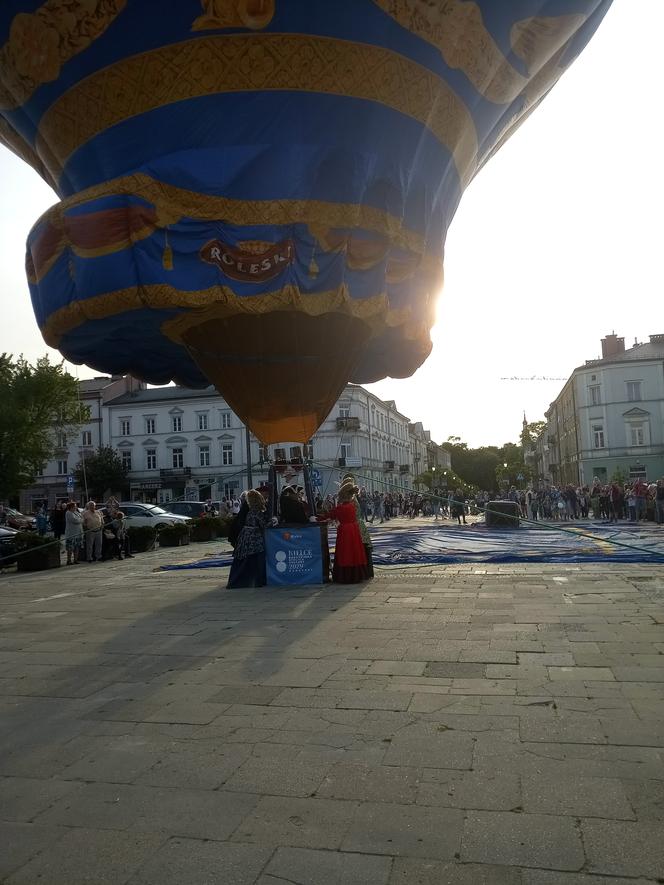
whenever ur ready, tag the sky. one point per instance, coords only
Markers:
(556, 243)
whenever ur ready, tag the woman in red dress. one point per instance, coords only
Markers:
(350, 557)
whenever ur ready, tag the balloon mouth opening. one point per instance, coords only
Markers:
(282, 371)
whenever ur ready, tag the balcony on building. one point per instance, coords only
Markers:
(348, 424)
(404, 468)
(175, 474)
(388, 465)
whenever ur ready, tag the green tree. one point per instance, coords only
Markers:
(531, 433)
(102, 473)
(475, 467)
(512, 455)
(37, 402)
(424, 479)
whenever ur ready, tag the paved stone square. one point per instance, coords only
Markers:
(449, 724)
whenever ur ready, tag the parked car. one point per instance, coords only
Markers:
(7, 546)
(19, 521)
(192, 509)
(149, 514)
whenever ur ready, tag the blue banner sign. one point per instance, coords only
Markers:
(294, 555)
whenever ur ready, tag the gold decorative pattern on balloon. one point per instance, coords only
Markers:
(221, 301)
(257, 62)
(41, 42)
(252, 14)
(456, 29)
(173, 203)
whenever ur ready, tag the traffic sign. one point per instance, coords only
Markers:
(70, 482)
(316, 478)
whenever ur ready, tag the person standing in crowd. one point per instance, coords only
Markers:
(248, 567)
(659, 501)
(459, 506)
(58, 520)
(73, 533)
(615, 502)
(123, 535)
(209, 508)
(631, 503)
(92, 526)
(111, 547)
(640, 490)
(291, 507)
(41, 517)
(112, 505)
(595, 495)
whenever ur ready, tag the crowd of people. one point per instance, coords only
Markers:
(89, 535)
(614, 501)
(635, 502)
(379, 507)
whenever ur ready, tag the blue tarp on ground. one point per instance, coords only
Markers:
(436, 544)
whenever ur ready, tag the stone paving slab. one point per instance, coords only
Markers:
(475, 725)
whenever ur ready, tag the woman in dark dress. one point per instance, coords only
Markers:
(248, 568)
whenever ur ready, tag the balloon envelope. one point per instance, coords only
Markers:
(256, 193)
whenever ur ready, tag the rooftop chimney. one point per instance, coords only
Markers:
(612, 346)
(657, 339)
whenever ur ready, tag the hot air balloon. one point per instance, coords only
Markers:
(256, 193)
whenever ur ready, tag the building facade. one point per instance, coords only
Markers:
(181, 443)
(608, 419)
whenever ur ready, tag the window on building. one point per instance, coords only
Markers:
(151, 459)
(598, 436)
(263, 453)
(230, 489)
(309, 452)
(344, 411)
(636, 434)
(177, 423)
(344, 450)
(150, 426)
(204, 456)
(62, 468)
(227, 453)
(178, 458)
(296, 453)
(203, 422)
(125, 426)
(634, 391)
(637, 471)
(126, 460)
(86, 438)
(61, 440)
(595, 393)
(225, 420)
